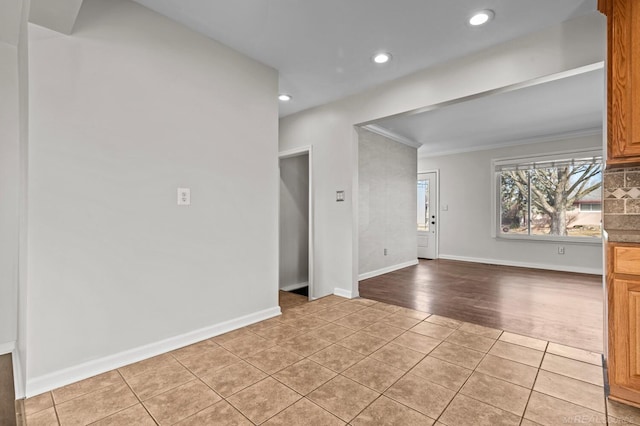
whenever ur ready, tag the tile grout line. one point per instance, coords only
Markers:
(534, 384)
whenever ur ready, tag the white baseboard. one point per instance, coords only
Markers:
(47, 382)
(291, 287)
(7, 347)
(18, 378)
(387, 269)
(561, 268)
(343, 293)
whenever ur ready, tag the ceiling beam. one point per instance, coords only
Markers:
(57, 15)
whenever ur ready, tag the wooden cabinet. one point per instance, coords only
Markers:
(623, 85)
(623, 289)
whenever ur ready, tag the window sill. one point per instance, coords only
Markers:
(556, 239)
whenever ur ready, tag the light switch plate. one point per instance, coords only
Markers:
(184, 196)
(339, 195)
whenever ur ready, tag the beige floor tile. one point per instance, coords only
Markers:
(181, 402)
(465, 411)
(304, 376)
(278, 333)
(575, 369)
(305, 412)
(263, 400)
(362, 343)
(447, 322)
(361, 301)
(574, 353)
(398, 356)
(528, 342)
(383, 331)
(517, 353)
(306, 323)
(373, 314)
(232, 335)
(349, 307)
(263, 325)
(331, 314)
(386, 307)
(373, 374)
(330, 300)
(459, 355)
(572, 390)
(274, 359)
(412, 313)
(311, 308)
(246, 346)
(400, 321)
(480, 330)
(433, 330)
(331, 332)
(38, 403)
(343, 397)
(386, 412)
(527, 422)
(445, 374)
(471, 341)
(336, 358)
(305, 344)
(211, 360)
(233, 378)
(92, 384)
(354, 321)
(152, 383)
(612, 421)
(136, 415)
(511, 371)
(96, 405)
(220, 414)
(623, 412)
(46, 417)
(547, 410)
(417, 342)
(194, 349)
(496, 392)
(418, 393)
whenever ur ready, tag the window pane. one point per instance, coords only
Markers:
(423, 205)
(514, 208)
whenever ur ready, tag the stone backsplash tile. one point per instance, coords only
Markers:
(621, 195)
(622, 221)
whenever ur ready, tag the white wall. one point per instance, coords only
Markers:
(123, 112)
(294, 221)
(329, 128)
(466, 183)
(387, 173)
(9, 193)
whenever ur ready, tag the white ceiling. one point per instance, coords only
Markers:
(558, 107)
(322, 48)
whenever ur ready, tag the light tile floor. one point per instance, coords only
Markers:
(335, 361)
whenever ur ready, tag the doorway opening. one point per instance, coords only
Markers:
(296, 225)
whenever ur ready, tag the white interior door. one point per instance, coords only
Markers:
(427, 215)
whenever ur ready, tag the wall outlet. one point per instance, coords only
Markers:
(385, 252)
(184, 196)
(560, 249)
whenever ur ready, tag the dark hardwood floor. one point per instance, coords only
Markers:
(561, 307)
(7, 395)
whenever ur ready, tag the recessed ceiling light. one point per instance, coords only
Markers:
(481, 18)
(284, 97)
(381, 58)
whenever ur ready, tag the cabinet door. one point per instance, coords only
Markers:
(624, 314)
(624, 82)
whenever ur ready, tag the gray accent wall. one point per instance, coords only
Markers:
(387, 173)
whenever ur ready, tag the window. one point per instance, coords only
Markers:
(549, 197)
(423, 205)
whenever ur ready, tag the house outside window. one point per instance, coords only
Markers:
(556, 197)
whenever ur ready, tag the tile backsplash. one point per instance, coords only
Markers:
(622, 198)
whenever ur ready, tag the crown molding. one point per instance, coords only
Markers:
(374, 128)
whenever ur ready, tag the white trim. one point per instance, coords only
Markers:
(343, 293)
(291, 287)
(7, 348)
(437, 209)
(377, 129)
(56, 379)
(387, 269)
(518, 142)
(308, 149)
(550, 267)
(18, 380)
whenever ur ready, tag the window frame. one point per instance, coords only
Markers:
(495, 194)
